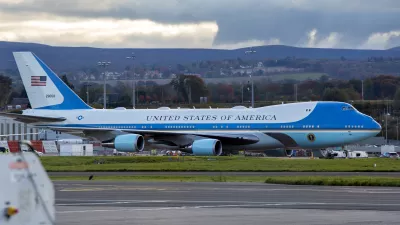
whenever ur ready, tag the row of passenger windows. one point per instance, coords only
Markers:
(354, 126)
(121, 127)
(125, 127)
(184, 127)
(243, 126)
(216, 127)
(345, 108)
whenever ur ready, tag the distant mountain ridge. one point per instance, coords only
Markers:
(76, 58)
(395, 49)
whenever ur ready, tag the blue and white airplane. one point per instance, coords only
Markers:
(305, 125)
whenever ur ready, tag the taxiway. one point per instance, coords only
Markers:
(120, 203)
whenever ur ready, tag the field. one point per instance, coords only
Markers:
(296, 76)
(236, 163)
(273, 77)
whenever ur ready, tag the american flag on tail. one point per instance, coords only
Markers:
(38, 80)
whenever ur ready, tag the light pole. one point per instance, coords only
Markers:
(251, 51)
(397, 129)
(242, 91)
(387, 114)
(252, 92)
(386, 127)
(87, 92)
(362, 90)
(104, 65)
(189, 87)
(133, 57)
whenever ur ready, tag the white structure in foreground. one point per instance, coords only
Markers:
(30, 192)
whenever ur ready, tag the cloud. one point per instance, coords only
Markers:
(106, 32)
(204, 23)
(312, 38)
(330, 41)
(380, 40)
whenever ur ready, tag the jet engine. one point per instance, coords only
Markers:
(207, 147)
(279, 152)
(127, 143)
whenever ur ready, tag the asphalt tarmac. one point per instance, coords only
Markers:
(120, 203)
(140, 173)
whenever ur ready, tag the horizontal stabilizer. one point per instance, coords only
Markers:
(32, 119)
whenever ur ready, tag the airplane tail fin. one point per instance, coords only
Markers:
(44, 88)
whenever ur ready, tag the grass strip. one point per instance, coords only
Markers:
(236, 163)
(182, 178)
(293, 180)
(336, 181)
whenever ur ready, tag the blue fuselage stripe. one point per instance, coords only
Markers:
(221, 126)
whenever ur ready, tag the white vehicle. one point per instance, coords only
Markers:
(76, 150)
(357, 154)
(303, 125)
(338, 154)
(389, 155)
(69, 141)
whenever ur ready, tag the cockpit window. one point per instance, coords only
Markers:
(347, 108)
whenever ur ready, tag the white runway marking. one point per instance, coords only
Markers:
(120, 210)
(163, 208)
(108, 202)
(238, 203)
(220, 206)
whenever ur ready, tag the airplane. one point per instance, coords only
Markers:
(201, 132)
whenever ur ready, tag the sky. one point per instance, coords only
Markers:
(219, 24)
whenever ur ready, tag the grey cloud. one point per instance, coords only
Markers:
(242, 20)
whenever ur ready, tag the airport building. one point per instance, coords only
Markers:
(9, 126)
(26, 132)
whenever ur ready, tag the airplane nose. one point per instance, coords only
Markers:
(376, 126)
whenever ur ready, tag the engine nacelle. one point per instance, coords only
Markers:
(279, 152)
(207, 147)
(127, 143)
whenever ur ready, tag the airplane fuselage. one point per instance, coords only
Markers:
(296, 125)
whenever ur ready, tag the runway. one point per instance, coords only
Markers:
(120, 203)
(144, 173)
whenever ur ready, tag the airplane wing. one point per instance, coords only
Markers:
(232, 138)
(30, 118)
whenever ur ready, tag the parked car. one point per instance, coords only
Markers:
(390, 155)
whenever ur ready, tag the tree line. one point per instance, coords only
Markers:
(186, 89)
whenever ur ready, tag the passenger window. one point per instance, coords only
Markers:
(347, 108)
